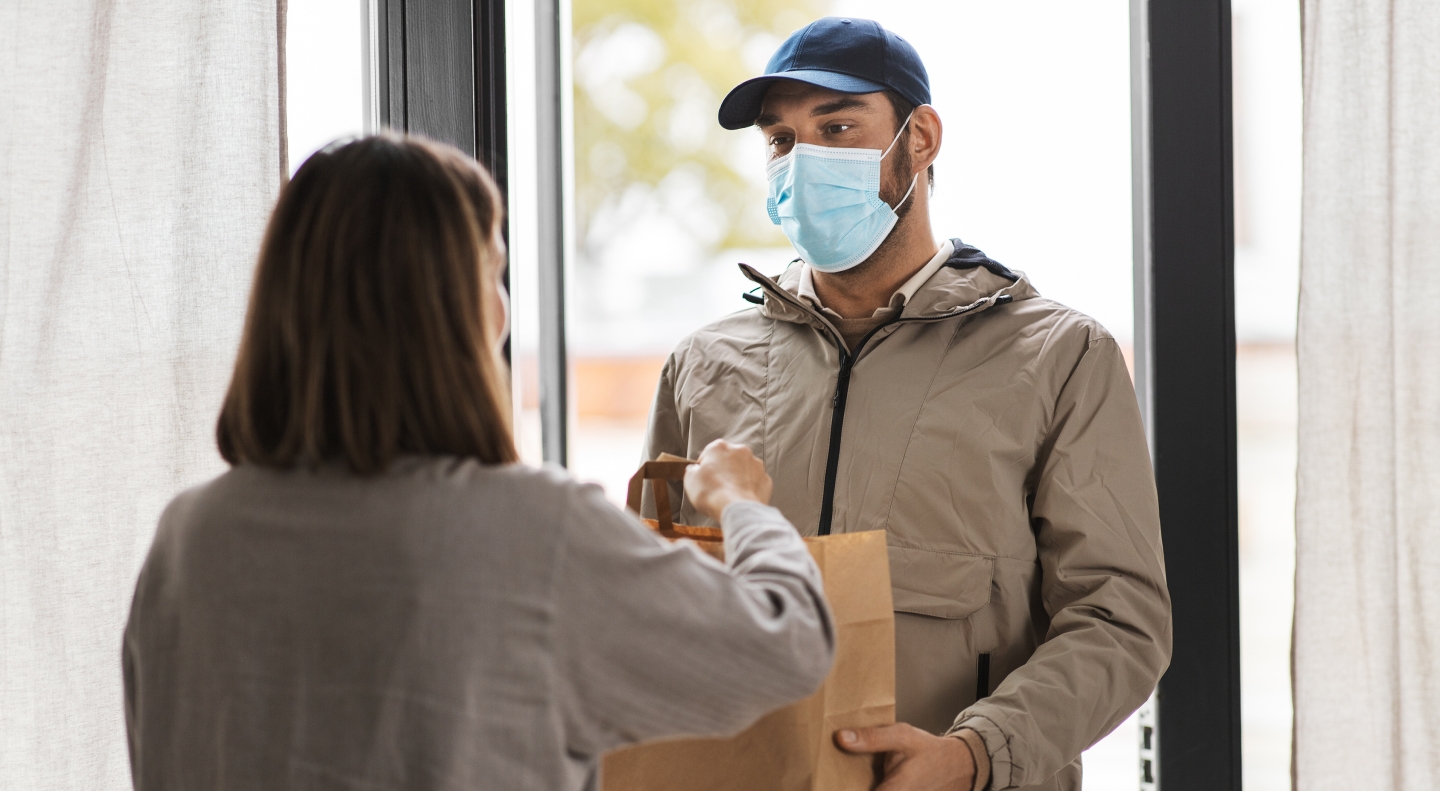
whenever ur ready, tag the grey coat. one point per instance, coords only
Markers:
(447, 625)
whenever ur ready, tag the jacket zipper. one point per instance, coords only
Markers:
(837, 424)
(842, 392)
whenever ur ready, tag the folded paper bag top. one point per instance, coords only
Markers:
(792, 748)
(671, 468)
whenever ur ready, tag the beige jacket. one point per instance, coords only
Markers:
(995, 436)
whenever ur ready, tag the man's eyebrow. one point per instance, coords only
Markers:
(844, 103)
(847, 103)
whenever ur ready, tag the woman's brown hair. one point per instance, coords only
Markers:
(370, 332)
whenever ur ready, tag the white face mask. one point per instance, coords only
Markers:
(827, 201)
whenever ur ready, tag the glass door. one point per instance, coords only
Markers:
(1035, 170)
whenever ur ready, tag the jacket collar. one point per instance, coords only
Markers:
(805, 289)
(969, 280)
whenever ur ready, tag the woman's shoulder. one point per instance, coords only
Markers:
(470, 477)
(528, 493)
(437, 485)
(183, 506)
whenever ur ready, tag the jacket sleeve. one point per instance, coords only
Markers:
(666, 434)
(1097, 526)
(656, 639)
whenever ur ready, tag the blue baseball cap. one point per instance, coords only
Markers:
(842, 54)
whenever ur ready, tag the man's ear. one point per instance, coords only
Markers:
(926, 132)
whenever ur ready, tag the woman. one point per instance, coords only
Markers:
(376, 595)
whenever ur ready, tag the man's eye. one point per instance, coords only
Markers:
(779, 141)
(836, 129)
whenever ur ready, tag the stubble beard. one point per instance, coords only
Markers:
(893, 186)
(899, 181)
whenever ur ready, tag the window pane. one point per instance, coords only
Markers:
(666, 202)
(1267, 103)
(1035, 170)
(324, 73)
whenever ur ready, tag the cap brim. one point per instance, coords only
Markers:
(742, 105)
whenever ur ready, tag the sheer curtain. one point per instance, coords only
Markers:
(140, 152)
(1367, 619)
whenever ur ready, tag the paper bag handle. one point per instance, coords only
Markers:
(667, 468)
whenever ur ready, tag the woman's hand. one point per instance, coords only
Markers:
(726, 474)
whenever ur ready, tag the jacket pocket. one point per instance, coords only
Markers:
(940, 584)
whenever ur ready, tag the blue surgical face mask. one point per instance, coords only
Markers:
(827, 201)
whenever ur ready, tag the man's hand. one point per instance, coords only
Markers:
(726, 474)
(914, 760)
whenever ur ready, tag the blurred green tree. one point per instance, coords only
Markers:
(649, 76)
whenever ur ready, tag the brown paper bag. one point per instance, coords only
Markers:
(791, 749)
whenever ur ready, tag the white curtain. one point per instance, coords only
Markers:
(1367, 604)
(140, 152)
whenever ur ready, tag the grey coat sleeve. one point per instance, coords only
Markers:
(656, 639)
(1097, 525)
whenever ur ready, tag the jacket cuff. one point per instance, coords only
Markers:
(979, 754)
(996, 744)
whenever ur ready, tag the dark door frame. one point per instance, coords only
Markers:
(1185, 370)
(441, 72)
(434, 70)
(438, 66)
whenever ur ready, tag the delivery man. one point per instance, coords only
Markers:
(890, 382)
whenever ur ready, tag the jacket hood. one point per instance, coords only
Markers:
(969, 280)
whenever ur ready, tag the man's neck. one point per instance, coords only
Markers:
(858, 292)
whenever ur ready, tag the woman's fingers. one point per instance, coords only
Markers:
(726, 473)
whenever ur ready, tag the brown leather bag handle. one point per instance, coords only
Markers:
(666, 468)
